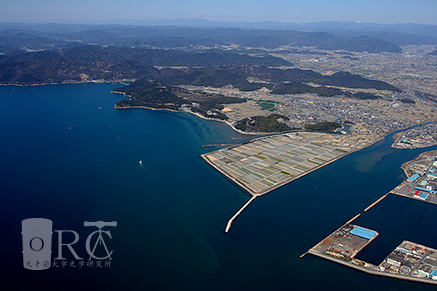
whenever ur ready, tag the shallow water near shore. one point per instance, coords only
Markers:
(65, 159)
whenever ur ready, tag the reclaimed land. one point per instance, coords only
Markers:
(422, 156)
(370, 271)
(401, 263)
(423, 185)
(322, 250)
(267, 163)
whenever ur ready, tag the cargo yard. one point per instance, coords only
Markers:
(422, 179)
(409, 261)
(345, 243)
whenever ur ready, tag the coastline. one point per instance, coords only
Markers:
(369, 271)
(421, 156)
(171, 110)
(260, 134)
(70, 82)
(397, 137)
(191, 112)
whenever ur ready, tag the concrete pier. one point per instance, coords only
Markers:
(229, 224)
(376, 202)
(353, 218)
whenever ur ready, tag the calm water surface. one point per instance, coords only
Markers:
(64, 159)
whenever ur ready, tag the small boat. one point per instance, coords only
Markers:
(141, 164)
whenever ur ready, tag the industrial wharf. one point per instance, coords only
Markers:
(410, 260)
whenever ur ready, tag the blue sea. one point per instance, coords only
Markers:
(67, 155)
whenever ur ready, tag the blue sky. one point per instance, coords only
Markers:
(380, 11)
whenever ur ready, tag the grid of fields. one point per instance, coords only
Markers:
(267, 163)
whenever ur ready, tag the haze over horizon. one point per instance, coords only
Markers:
(136, 11)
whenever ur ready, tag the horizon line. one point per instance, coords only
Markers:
(127, 22)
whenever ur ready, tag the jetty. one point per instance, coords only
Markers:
(353, 218)
(229, 224)
(376, 202)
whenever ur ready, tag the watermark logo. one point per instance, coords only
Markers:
(100, 240)
(37, 245)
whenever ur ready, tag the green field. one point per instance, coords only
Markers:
(267, 104)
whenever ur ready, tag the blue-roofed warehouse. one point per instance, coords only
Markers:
(426, 190)
(424, 196)
(362, 232)
(413, 178)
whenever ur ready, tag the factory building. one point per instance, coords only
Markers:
(363, 232)
(413, 178)
(426, 190)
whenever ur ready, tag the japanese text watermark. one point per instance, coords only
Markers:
(37, 236)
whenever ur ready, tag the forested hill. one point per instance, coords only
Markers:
(155, 95)
(164, 93)
(88, 63)
(216, 69)
(271, 78)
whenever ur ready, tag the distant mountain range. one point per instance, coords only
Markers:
(330, 36)
(326, 26)
(171, 33)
